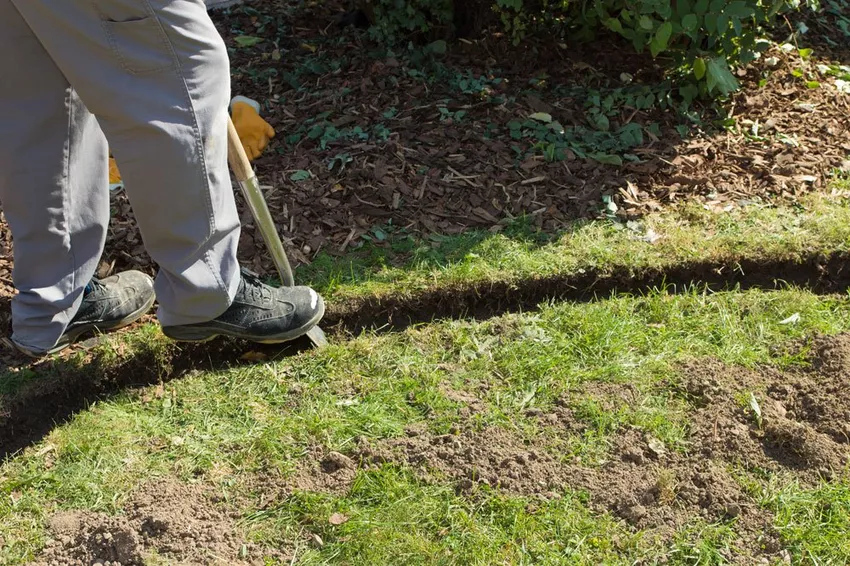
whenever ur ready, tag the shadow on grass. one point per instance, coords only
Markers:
(35, 398)
(400, 249)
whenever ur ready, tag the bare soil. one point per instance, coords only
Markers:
(174, 521)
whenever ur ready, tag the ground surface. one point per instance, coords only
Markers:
(517, 375)
(384, 142)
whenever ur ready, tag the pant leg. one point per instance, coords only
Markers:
(53, 175)
(156, 75)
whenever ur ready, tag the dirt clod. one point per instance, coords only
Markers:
(335, 462)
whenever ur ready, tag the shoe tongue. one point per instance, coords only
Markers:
(92, 286)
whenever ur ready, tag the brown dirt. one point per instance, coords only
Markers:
(651, 489)
(440, 176)
(492, 457)
(326, 472)
(178, 522)
(804, 427)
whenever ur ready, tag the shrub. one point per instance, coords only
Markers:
(701, 39)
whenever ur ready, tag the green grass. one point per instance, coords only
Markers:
(225, 427)
(402, 265)
(396, 520)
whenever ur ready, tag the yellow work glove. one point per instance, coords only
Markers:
(115, 181)
(254, 132)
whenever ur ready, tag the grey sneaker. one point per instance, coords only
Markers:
(259, 313)
(108, 304)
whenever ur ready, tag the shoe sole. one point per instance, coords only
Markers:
(199, 334)
(69, 338)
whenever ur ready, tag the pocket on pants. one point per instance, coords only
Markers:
(139, 45)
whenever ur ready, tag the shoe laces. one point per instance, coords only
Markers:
(255, 289)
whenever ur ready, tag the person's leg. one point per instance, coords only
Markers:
(53, 177)
(155, 73)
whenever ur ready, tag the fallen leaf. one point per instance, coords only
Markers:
(541, 117)
(300, 175)
(793, 319)
(754, 405)
(656, 446)
(247, 40)
(651, 236)
(338, 519)
(253, 356)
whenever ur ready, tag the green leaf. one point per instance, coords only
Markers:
(690, 22)
(247, 40)
(805, 53)
(701, 7)
(719, 77)
(300, 175)
(754, 405)
(661, 39)
(812, 85)
(689, 92)
(645, 22)
(606, 158)
(631, 135)
(438, 47)
(599, 121)
(541, 117)
(614, 25)
(699, 68)
(739, 9)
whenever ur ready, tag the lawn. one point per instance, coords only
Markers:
(678, 424)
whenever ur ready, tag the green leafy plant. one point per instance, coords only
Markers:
(396, 20)
(700, 40)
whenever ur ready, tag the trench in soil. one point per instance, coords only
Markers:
(64, 390)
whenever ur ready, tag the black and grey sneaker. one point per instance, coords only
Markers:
(108, 304)
(259, 313)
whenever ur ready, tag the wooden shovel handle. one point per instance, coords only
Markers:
(239, 162)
